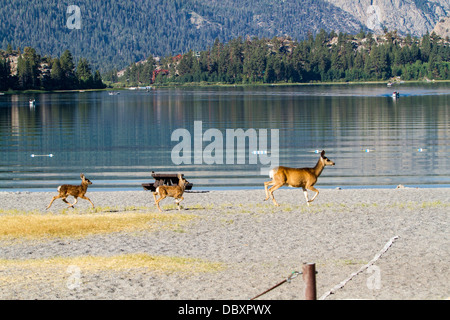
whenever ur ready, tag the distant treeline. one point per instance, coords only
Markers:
(30, 71)
(325, 57)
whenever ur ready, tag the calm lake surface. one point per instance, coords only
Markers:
(117, 140)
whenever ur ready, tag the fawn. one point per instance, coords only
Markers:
(66, 190)
(171, 191)
(293, 177)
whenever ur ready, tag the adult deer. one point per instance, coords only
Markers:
(296, 177)
(171, 191)
(66, 190)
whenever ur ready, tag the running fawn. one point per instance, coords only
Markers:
(66, 190)
(171, 191)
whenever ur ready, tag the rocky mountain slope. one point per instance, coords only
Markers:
(406, 16)
(442, 28)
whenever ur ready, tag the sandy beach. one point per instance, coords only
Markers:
(251, 244)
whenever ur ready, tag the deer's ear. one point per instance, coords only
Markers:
(322, 154)
(81, 175)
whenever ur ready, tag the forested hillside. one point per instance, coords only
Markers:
(326, 57)
(25, 70)
(115, 33)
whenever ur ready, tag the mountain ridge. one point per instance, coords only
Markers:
(115, 33)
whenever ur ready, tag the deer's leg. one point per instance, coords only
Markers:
(158, 200)
(53, 199)
(266, 184)
(272, 189)
(64, 198)
(305, 192)
(86, 198)
(74, 203)
(177, 201)
(316, 191)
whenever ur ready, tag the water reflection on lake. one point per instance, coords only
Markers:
(118, 140)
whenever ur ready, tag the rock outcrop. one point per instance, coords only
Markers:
(442, 28)
(406, 16)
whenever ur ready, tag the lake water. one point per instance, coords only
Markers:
(117, 140)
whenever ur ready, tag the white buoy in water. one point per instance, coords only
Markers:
(42, 155)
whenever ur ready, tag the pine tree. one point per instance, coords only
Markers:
(84, 74)
(186, 64)
(22, 74)
(98, 83)
(69, 80)
(32, 62)
(9, 49)
(56, 74)
(4, 74)
(147, 72)
(426, 47)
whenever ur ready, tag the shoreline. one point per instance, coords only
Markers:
(243, 188)
(256, 243)
(213, 84)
